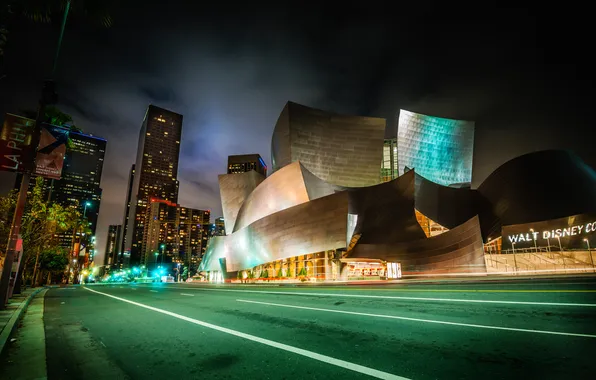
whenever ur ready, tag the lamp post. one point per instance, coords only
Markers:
(514, 259)
(560, 246)
(590, 254)
(87, 204)
(534, 238)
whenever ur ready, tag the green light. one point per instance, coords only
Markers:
(156, 253)
(163, 246)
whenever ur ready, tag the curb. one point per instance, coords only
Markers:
(11, 327)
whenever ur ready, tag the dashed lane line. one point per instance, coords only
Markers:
(284, 347)
(418, 319)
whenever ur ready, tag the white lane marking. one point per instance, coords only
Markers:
(134, 288)
(392, 297)
(154, 291)
(419, 320)
(186, 294)
(309, 354)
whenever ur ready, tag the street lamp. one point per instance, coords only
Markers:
(87, 204)
(590, 253)
(514, 258)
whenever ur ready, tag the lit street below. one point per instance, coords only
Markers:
(526, 329)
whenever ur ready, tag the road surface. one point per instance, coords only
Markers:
(538, 329)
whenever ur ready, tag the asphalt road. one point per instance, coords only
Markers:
(525, 330)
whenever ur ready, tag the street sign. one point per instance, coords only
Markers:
(51, 151)
(15, 143)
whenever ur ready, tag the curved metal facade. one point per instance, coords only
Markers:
(283, 189)
(539, 186)
(459, 250)
(234, 189)
(342, 150)
(386, 212)
(440, 150)
(314, 226)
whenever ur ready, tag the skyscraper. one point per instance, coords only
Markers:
(125, 220)
(218, 228)
(156, 172)
(173, 235)
(246, 162)
(112, 247)
(80, 182)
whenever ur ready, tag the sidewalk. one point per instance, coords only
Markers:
(10, 316)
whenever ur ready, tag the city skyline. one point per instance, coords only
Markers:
(230, 86)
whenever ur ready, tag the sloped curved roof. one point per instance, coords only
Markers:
(538, 186)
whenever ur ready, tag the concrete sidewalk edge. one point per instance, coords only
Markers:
(13, 323)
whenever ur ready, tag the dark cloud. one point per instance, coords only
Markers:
(230, 70)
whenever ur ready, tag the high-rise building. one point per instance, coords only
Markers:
(246, 162)
(193, 233)
(122, 258)
(218, 228)
(389, 168)
(173, 235)
(156, 172)
(112, 247)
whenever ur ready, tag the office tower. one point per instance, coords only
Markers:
(156, 172)
(160, 237)
(246, 162)
(440, 150)
(122, 258)
(81, 175)
(389, 164)
(173, 234)
(193, 227)
(112, 246)
(218, 228)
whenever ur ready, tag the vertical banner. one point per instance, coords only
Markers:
(15, 142)
(51, 151)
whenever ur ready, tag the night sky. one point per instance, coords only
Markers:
(524, 75)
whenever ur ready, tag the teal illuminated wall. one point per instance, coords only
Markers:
(439, 149)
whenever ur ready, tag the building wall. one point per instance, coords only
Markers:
(539, 186)
(342, 150)
(111, 253)
(314, 226)
(127, 216)
(389, 167)
(441, 150)
(459, 250)
(246, 162)
(283, 189)
(156, 171)
(234, 189)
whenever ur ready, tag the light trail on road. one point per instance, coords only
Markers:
(386, 297)
(418, 319)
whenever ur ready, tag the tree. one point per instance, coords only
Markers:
(54, 116)
(52, 261)
(41, 222)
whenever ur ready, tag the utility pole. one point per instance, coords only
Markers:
(48, 96)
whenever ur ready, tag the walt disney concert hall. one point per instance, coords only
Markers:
(345, 203)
